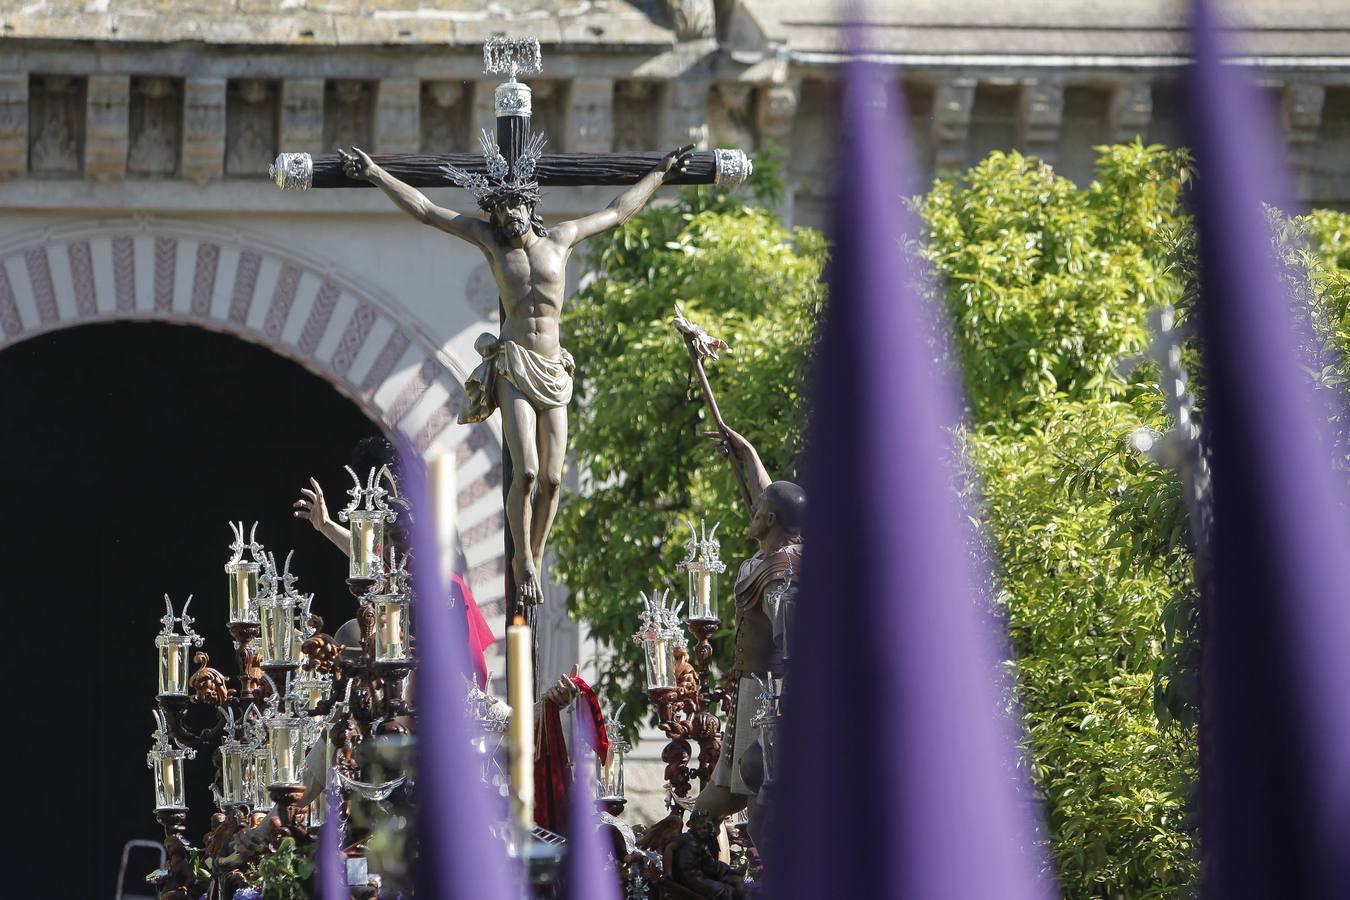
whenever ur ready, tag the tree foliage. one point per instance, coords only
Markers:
(1048, 287)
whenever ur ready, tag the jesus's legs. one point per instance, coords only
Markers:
(552, 436)
(518, 430)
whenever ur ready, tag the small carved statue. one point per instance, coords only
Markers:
(765, 583)
(686, 677)
(694, 862)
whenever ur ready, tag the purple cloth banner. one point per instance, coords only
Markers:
(589, 876)
(459, 858)
(330, 866)
(899, 764)
(1275, 628)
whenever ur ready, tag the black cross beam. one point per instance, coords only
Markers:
(423, 170)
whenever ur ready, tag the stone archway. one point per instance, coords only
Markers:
(359, 340)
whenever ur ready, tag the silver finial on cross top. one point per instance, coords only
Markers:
(512, 57)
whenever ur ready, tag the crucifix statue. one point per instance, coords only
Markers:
(525, 372)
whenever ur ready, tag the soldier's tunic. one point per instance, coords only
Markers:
(763, 583)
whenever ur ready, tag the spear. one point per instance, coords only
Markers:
(701, 346)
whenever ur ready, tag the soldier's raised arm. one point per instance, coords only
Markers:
(357, 164)
(627, 204)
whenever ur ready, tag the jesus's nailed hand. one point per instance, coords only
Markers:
(356, 164)
(676, 161)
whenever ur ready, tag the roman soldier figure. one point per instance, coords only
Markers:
(764, 583)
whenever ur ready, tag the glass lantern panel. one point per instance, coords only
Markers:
(391, 631)
(702, 594)
(243, 579)
(285, 750)
(367, 542)
(313, 691)
(278, 634)
(260, 775)
(173, 665)
(660, 654)
(169, 781)
(318, 810)
(609, 775)
(234, 786)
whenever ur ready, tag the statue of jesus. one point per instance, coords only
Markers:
(525, 371)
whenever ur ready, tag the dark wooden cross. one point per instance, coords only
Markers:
(301, 171)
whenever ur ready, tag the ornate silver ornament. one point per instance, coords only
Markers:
(733, 167)
(292, 171)
(512, 57)
(512, 98)
(499, 176)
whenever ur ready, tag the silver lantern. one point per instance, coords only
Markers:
(659, 635)
(242, 574)
(165, 759)
(366, 516)
(609, 772)
(702, 564)
(174, 649)
(279, 606)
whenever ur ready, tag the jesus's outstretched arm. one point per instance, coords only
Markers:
(357, 164)
(626, 205)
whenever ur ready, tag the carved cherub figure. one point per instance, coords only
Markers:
(208, 685)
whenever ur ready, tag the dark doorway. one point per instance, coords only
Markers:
(126, 449)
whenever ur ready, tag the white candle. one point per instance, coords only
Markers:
(702, 603)
(520, 665)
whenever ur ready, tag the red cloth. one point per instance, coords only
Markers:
(480, 634)
(551, 775)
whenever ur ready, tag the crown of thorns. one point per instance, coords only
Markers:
(502, 183)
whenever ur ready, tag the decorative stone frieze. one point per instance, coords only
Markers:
(398, 115)
(1303, 111)
(551, 113)
(952, 105)
(732, 113)
(592, 120)
(105, 129)
(687, 121)
(302, 114)
(203, 129)
(348, 114)
(444, 121)
(693, 19)
(56, 125)
(13, 124)
(1131, 110)
(251, 114)
(638, 111)
(1040, 112)
(777, 113)
(156, 126)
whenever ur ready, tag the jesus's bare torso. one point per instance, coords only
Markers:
(532, 279)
